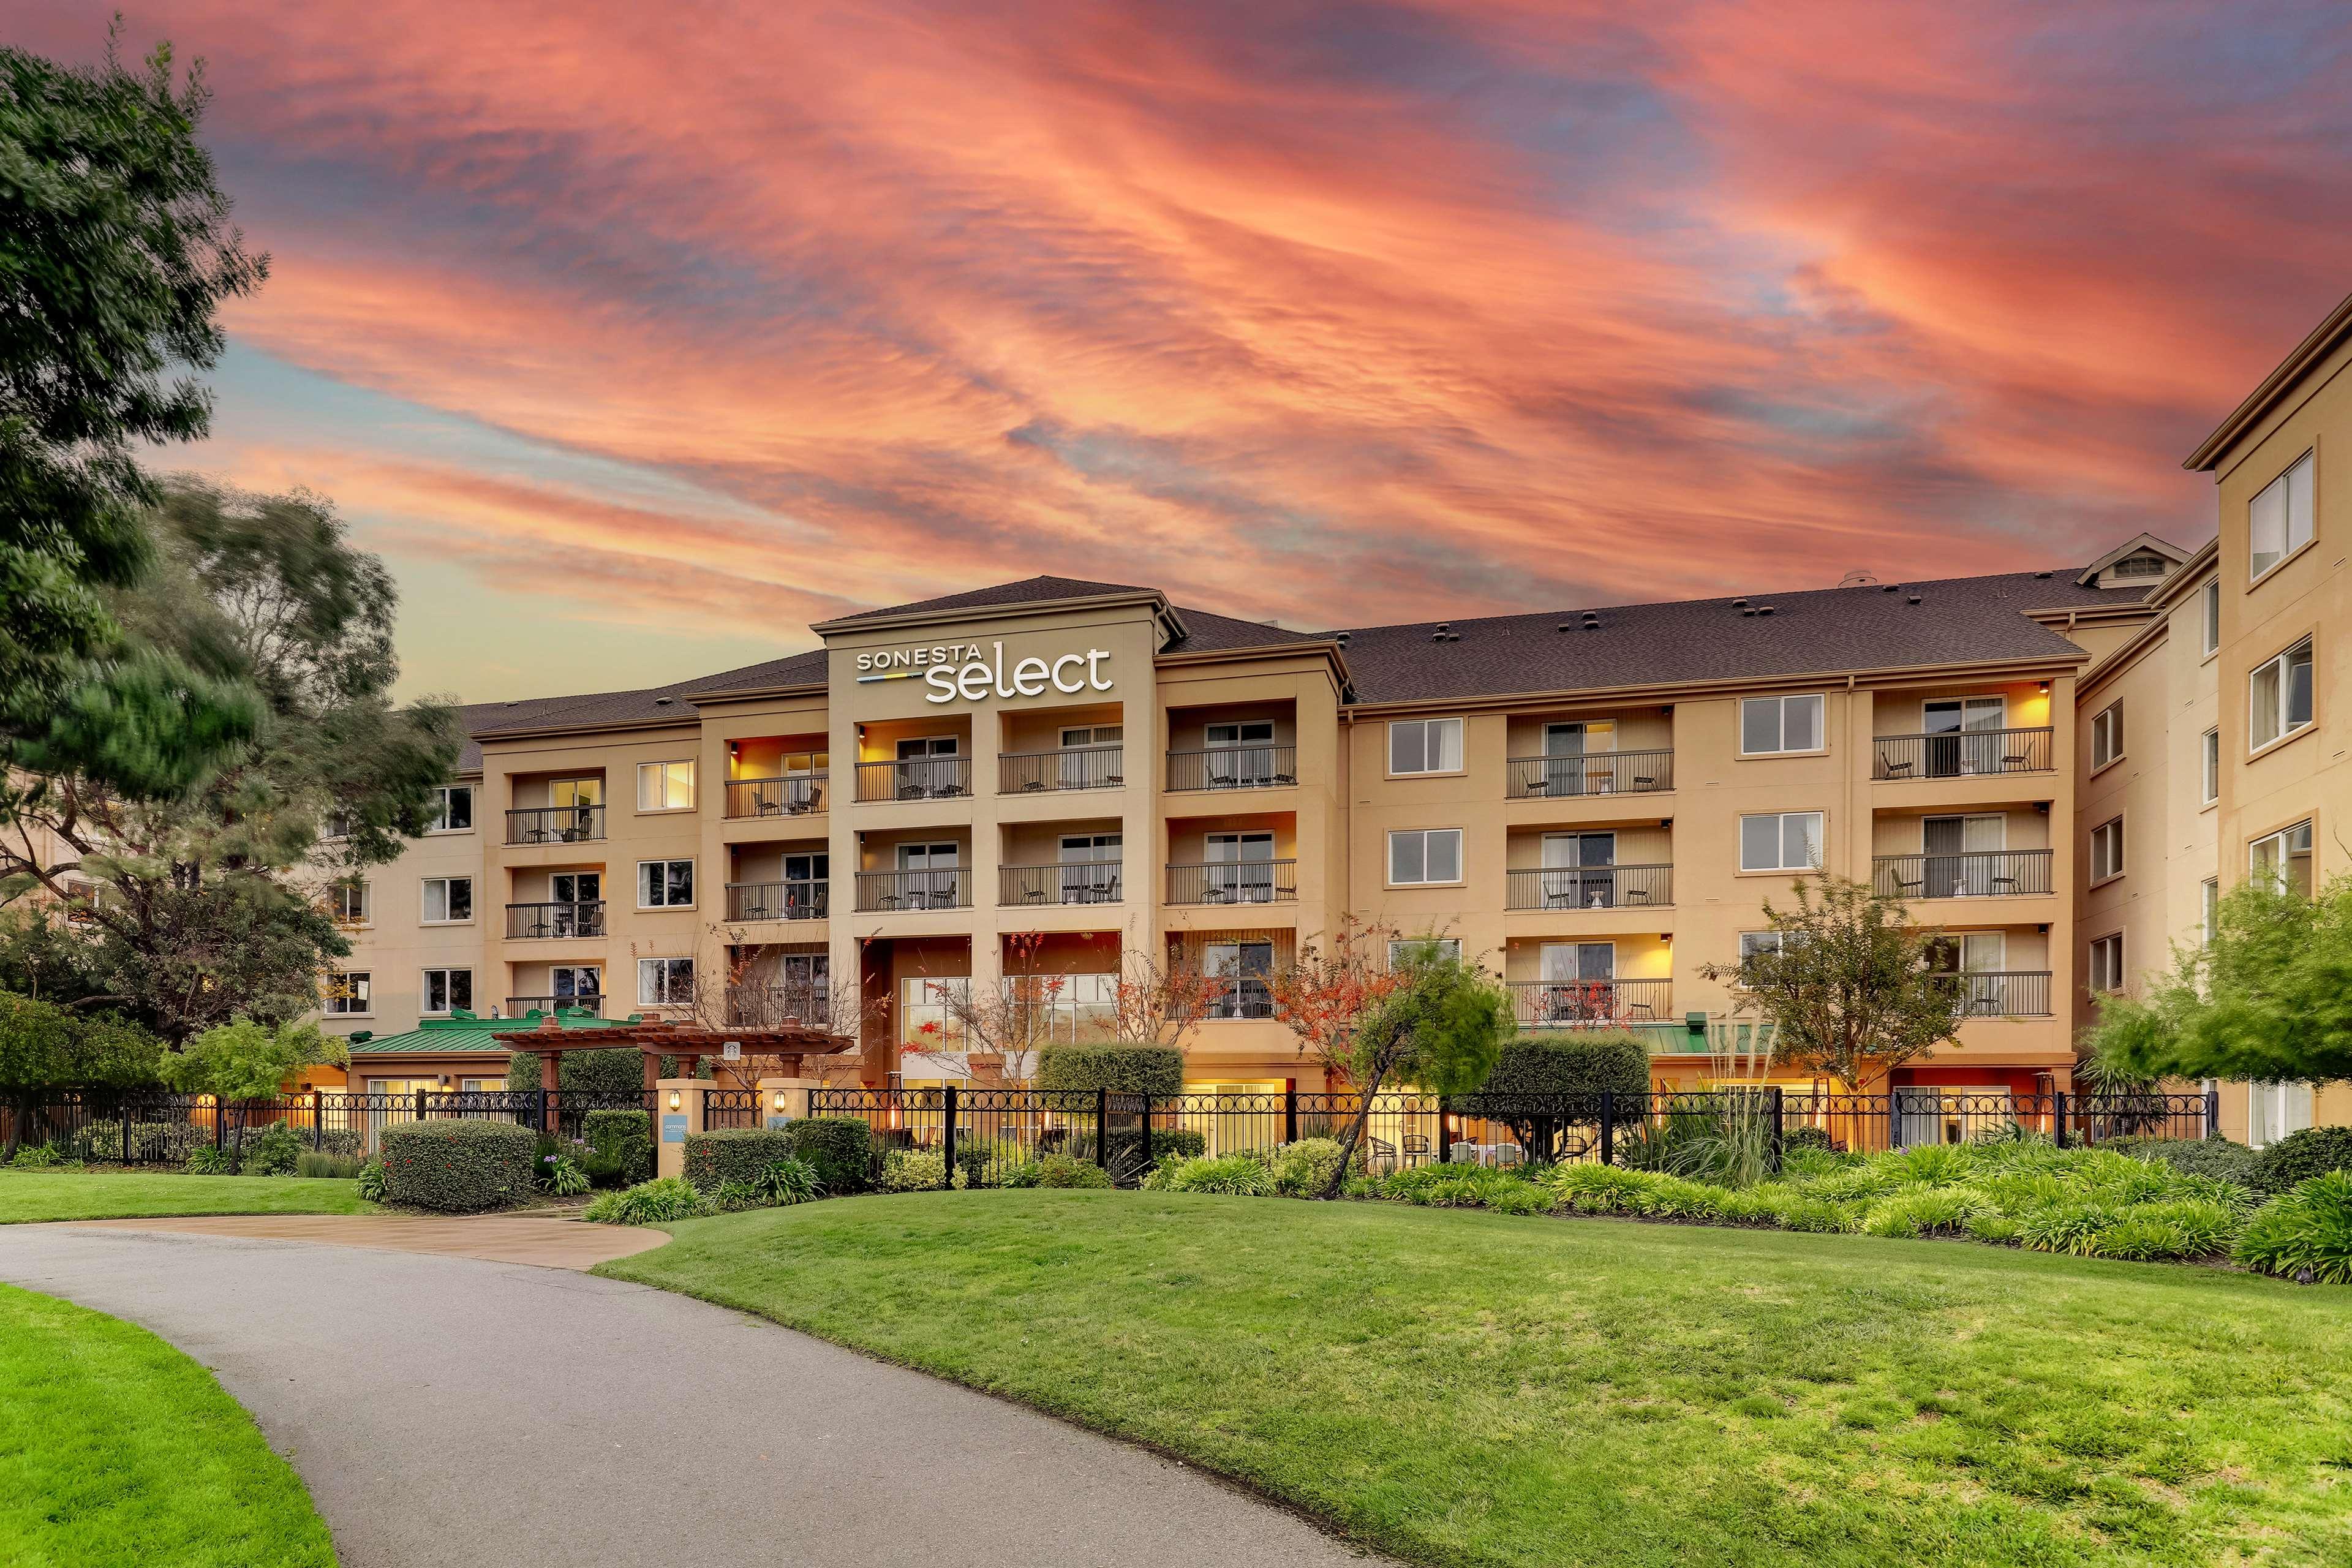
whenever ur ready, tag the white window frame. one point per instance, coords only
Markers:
(425, 895)
(2209, 766)
(2107, 849)
(2107, 735)
(348, 1005)
(665, 902)
(2275, 1110)
(2103, 972)
(445, 794)
(449, 1003)
(2283, 494)
(2281, 705)
(1780, 819)
(2211, 616)
(667, 779)
(659, 982)
(2208, 901)
(1432, 737)
(2282, 847)
(1780, 725)
(594, 971)
(352, 911)
(1755, 942)
(1427, 837)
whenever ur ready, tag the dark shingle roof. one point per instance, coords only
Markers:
(1957, 620)
(1029, 591)
(1205, 633)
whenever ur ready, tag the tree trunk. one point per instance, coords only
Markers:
(1355, 1134)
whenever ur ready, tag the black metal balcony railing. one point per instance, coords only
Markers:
(797, 795)
(917, 778)
(555, 825)
(1080, 767)
(1590, 887)
(1235, 882)
(1971, 874)
(1590, 1003)
(2002, 993)
(1241, 996)
(1594, 773)
(578, 918)
(948, 887)
(1958, 754)
(768, 1006)
(800, 900)
(1069, 882)
(518, 1005)
(1233, 767)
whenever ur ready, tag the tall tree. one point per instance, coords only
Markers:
(115, 256)
(193, 909)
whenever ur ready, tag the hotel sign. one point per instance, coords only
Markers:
(968, 671)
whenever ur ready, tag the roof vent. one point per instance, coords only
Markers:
(2044, 575)
(1740, 604)
(514, 702)
(1894, 588)
(1453, 637)
(1860, 577)
(1564, 626)
(1750, 610)
(1911, 599)
(1343, 639)
(661, 701)
(1764, 610)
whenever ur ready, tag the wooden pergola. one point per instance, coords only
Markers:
(791, 1046)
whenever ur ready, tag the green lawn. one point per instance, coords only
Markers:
(1460, 1387)
(116, 1449)
(28, 1195)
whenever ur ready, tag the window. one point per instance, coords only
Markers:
(2106, 736)
(2209, 768)
(1789, 841)
(447, 990)
(349, 902)
(1241, 970)
(926, 1021)
(2284, 857)
(1402, 950)
(2139, 563)
(457, 809)
(2107, 849)
(1425, 855)
(338, 825)
(2278, 696)
(1752, 942)
(665, 787)
(2278, 521)
(664, 982)
(449, 899)
(350, 994)
(576, 985)
(2209, 905)
(1425, 746)
(2107, 968)
(1768, 724)
(2275, 1110)
(2213, 617)
(665, 884)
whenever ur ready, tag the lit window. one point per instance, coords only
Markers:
(1425, 855)
(1785, 841)
(1769, 725)
(2278, 696)
(2107, 968)
(665, 884)
(2107, 849)
(1425, 746)
(2107, 735)
(664, 982)
(455, 809)
(2284, 857)
(665, 787)
(448, 990)
(447, 900)
(2209, 767)
(2278, 521)
(349, 994)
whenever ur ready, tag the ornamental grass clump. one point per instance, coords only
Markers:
(2304, 1233)
(657, 1202)
(1227, 1175)
(1923, 1211)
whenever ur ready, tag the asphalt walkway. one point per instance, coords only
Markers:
(451, 1411)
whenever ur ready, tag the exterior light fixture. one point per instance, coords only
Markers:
(675, 1099)
(2044, 687)
(780, 1099)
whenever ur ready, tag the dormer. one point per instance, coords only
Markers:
(2137, 565)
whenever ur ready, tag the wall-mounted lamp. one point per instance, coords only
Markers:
(780, 1099)
(675, 1099)
(2042, 686)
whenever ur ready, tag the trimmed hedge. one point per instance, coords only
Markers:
(458, 1166)
(2299, 1156)
(2215, 1157)
(734, 1155)
(1122, 1070)
(1572, 1062)
(840, 1148)
(622, 1144)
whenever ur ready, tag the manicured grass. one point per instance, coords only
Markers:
(116, 1449)
(1461, 1387)
(26, 1196)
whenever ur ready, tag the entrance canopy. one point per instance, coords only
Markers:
(790, 1047)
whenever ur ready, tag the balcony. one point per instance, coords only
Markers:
(1233, 767)
(1971, 874)
(1235, 882)
(573, 919)
(801, 900)
(800, 794)
(1961, 754)
(2002, 993)
(917, 778)
(519, 1006)
(1590, 887)
(1594, 773)
(1590, 1003)
(773, 1007)
(555, 825)
(1078, 767)
(939, 888)
(1067, 883)
(1241, 996)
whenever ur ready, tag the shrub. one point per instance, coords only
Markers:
(1932, 1164)
(622, 1143)
(318, 1163)
(37, 1156)
(371, 1181)
(2215, 1157)
(789, 1181)
(562, 1175)
(1993, 1227)
(2299, 1156)
(203, 1159)
(914, 1171)
(1516, 1195)
(1598, 1189)
(1807, 1138)
(1923, 1211)
(1820, 1215)
(2306, 1232)
(1122, 1070)
(458, 1167)
(733, 1154)
(1030, 1174)
(649, 1202)
(1061, 1171)
(2070, 1227)
(1676, 1197)
(1229, 1175)
(274, 1152)
(2142, 1238)
(1572, 1062)
(840, 1148)
(1304, 1169)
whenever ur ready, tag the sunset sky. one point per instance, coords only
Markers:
(636, 336)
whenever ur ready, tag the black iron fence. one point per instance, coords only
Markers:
(1955, 753)
(794, 794)
(915, 778)
(1233, 767)
(591, 1004)
(982, 1131)
(555, 825)
(1067, 883)
(1076, 767)
(1962, 874)
(1235, 882)
(168, 1128)
(2000, 993)
(1593, 772)
(583, 917)
(939, 888)
(805, 899)
(1590, 1003)
(1590, 887)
